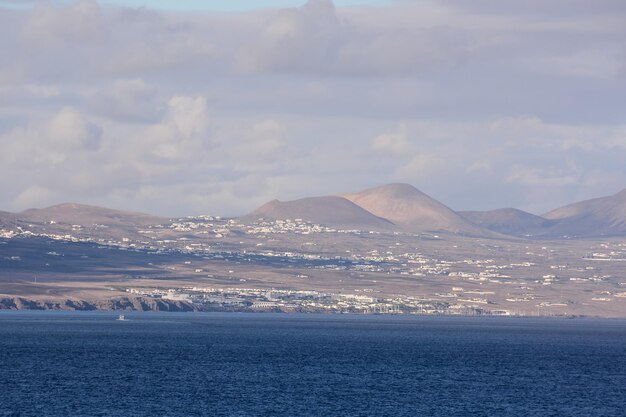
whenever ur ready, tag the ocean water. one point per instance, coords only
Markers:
(153, 364)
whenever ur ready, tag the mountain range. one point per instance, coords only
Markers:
(604, 216)
(406, 209)
(85, 215)
(61, 218)
(508, 221)
(391, 207)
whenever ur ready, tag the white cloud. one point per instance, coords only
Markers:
(66, 134)
(422, 168)
(296, 39)
(131, 100)
(600, 62)
(317, 38)
(69, 131)
(478, 166)
(76, 23)
(534, 176)
(263, 145)
(395, 143)
(184, 132)
(481, 104)
(43, 91)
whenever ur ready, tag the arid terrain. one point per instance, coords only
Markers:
(387, 250)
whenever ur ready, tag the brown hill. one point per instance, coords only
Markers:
(605, 216)
(509, 221)
(331, 211)
(7, 219)
(413, 210)
(87, 216)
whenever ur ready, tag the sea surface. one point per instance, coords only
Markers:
(179, 364)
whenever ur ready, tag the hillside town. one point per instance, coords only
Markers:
(434, 273)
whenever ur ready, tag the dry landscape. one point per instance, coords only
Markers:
(390, 249)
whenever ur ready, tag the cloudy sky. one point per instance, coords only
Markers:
(188, 107)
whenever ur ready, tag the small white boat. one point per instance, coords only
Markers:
(121, 318)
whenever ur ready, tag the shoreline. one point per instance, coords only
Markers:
(149, 305)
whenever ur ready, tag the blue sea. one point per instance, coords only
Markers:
(155, 364)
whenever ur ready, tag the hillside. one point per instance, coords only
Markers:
(605, 216)
(413, 210)
(508, 221)
(330, 211)
(87, 216)
(6, 219)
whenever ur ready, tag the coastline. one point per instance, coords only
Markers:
(144, 304)
(111, 304)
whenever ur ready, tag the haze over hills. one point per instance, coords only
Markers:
(73, 256)
(87, 216)
(413, 210)
(6, 218)
(392, 207)
(330, 211)
(605, 216)
(509, 221)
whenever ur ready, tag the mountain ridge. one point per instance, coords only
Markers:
(509, 221)
(602, 216)
(86, 215)
(391, 207)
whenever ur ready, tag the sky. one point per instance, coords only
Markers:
(194, 107)
(197, 5)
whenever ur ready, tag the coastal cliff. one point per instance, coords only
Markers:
(121, 303)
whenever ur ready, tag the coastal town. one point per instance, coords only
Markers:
(308, 267)
(255, 299)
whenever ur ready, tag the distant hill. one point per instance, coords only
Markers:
(392, 207)
(6, 219)
(332, 211)
(509, 221)
(605, 216)
(413, 210)
(86, 216)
